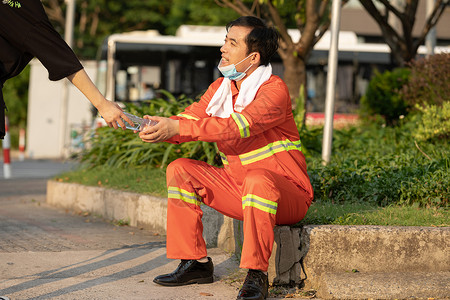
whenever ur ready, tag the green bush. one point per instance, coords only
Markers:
(382, 166)
(429, 81)
(433, 122)
(15, 93)
(123, 148)
(382, 96)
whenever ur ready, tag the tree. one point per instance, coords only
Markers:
(310, 17)
(96, 19)
(15, 93)
(198, 12)
(401, 41)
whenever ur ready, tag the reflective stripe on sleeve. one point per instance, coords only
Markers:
(177, 193)
(242, 124)
(224, 159)
(259, 203)
(188, 117)
(269, 150)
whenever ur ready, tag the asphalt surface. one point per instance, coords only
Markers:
(30, 176)
(48, 253)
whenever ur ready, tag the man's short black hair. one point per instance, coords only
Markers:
(261, 39)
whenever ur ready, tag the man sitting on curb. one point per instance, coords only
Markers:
(264, 182)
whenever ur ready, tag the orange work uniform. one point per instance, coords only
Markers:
(263, 182)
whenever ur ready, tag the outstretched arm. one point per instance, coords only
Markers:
(110, 111)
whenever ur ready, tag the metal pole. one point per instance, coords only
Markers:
(6, 144)
(68, 37)
(110, 83)
(331, 82)
(430, 40)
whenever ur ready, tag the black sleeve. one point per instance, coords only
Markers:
(27, 28)
(46, 44)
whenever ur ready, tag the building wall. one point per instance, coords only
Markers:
(44, 111)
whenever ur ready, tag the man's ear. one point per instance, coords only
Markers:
(255, 59)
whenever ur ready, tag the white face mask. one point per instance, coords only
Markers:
(230, 71)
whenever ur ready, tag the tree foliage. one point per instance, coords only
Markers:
(96, 19)
(429, 81)
(15, 92)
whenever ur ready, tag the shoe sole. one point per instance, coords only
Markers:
(193, 281)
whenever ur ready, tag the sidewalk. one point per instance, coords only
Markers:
(52, 254)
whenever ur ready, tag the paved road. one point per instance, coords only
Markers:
(46, 253)
(30, 176)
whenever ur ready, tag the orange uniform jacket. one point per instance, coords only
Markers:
(264, 180)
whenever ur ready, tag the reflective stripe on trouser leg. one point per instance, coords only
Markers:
(268, 199)
(259, 204)
(191, 182)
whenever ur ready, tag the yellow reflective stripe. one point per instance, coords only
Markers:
(177, 193)
(251, 200)
(223, 157)
(269, 150)
(188, 117)
(242, 124)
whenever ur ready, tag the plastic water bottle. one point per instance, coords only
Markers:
(138, 123)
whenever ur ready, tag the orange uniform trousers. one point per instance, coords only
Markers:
(261, 198)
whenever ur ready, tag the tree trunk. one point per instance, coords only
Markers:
(295, 76)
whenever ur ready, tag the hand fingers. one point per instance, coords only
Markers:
(113, 124)
(151, 137)
(120, 123)
(123, 116)
(154, 118)
(150, 129)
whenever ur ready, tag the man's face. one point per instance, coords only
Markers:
(235, 50)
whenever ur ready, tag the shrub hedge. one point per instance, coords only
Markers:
(406, 164)
(383, 98)
(428, 82)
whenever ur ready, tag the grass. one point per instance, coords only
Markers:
(367, 214)
(140, 180)
(152, 181)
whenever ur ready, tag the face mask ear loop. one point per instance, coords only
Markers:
(245, 58)
(248, 68)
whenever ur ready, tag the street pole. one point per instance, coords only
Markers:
(68, 37)
(6, 144)
(430, 40)
(331, 82)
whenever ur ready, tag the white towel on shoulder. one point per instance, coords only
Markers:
(221, 104)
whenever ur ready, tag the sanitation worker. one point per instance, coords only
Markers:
(26, 32)
(264, 182)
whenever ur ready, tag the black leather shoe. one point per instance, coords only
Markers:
(256, 286)
(188, 272)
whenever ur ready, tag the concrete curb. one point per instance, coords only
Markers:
(336, 261)
(364, 262)
(135, 209)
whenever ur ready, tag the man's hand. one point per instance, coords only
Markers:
(164, 130)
